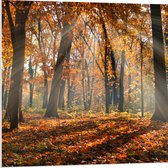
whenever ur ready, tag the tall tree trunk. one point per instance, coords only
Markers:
(62, 89)
(61, 95)
(88, 93)
(31, 87)
(5, 99)
(3, 14)
(129, 84)
(3, 95)
(114, 79)
(6, 91)
(71, 94)
(21, 119)
(3, 86)
(43, 53)
(107, 93)
(115, 94)
(121, 98)
(161, 95)
(65, 45)
(6, 94)
(18, 42)
(106, 55)
(45, 93)
(30, 83)
(166, 34)
(83, 85)
(69, 102)
(142, 92)
(92, 83)
(31, 95)
(16, 77)
(83, 77)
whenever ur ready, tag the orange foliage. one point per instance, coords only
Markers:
(115, 138)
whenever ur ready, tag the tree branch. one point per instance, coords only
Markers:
(12, 27)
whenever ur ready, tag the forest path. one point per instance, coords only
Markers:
(113, 138)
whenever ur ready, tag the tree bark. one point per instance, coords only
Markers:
(161, 95)
(106, 55)
(142, 92)
(166, 34)
(30, 83)
(45, 93)
(92, 83)
(71, 94)
(4, 86)
(5, 99)
(69, 103)
(61, 95)
(129, 84)
(113, 79)
(21, 119)
(121, 98)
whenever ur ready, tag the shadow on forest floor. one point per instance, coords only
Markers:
(96, 140)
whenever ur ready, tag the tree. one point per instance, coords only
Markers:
(65, 45)
(121, 94)
(32, 73)
(161, 95)
(18, 36)
(113, 95)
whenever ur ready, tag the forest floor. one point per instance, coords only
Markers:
(85, 139)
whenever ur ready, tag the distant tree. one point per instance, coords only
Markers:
(113, 94)
(121, 92)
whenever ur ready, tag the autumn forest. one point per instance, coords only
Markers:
(84, 83)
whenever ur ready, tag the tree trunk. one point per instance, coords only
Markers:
(16, 77)
(69, 103)
(88, 93)
(121, 98)
(45, 93)
(115, 94)
(166, 34)
(18, 42)
(71, 94)
(106, 55)
(129, 85)
(161, 95)
(83, 80)
(83, 89)
(3, 94)
(43, 53)
(142, 92)
(30, 83)
(65, 45)
(61, 95)
(5, 98)
(21, 119)
(62, 89)
(6, 94)
(114, 79)
(92, 83)
(3, 86)
(107, 94)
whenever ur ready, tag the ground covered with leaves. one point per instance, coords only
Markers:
(86, 139)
